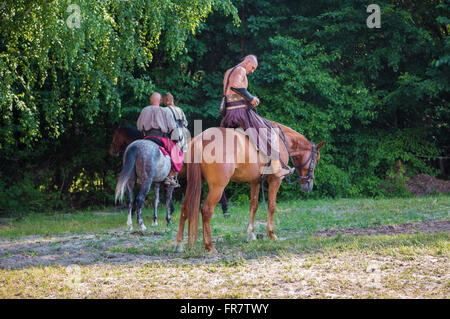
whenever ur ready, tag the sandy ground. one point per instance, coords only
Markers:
(85, 249)
(87, 266)
(78, 249)
(435, 226)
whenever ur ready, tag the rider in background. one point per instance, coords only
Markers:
(180, 133)
(157, 123)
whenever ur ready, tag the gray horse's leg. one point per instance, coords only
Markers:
(169, 204)
(131, 203)
(155, 204)
(145, 187)
(172, 208)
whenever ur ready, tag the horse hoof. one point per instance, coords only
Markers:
(143, 227)
(130, 228)
(226, 215)
(155, 223)
(251, 237)
(211, 250)
(179, 248)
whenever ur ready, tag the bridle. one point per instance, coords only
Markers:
(300, 178)
(311, 160)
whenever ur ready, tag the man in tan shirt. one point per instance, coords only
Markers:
(157, 123)
(181, 133)
(154, 118)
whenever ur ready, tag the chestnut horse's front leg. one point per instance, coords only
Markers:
(274, 186)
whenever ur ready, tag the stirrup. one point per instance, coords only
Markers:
(172, 182)
(287, 171)
(283, 172)
(266, 171)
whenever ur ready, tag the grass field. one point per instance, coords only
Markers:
(386, 248)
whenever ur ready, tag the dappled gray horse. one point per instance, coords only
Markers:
(144, 161)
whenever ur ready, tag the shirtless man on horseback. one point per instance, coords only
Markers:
(219, 155)
(240, 113)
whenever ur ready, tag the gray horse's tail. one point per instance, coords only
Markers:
(129, 159)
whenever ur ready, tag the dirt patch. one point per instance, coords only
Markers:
(420, 185)
(435, 226)
(424, 184)
(78, 249)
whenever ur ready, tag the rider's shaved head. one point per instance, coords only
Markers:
(250, 63)
(252, 58)
(155, 98)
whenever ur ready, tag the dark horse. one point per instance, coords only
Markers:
(125, 135)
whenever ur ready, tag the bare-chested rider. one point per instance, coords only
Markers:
(240, 113)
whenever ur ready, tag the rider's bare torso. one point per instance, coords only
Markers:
(238, 79)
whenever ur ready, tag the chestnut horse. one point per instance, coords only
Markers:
(218, 174)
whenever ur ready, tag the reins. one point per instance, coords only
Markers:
(310, 160)
(300, 178)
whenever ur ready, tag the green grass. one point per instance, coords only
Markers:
(305, 217)
(295, 224)
(298, 265)
(60, 223)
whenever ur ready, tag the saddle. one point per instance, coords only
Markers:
(266, 169)
(160, 144)
(155, 140)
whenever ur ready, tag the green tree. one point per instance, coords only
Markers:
(70, 69)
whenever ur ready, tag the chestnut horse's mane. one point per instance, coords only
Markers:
(299, 140)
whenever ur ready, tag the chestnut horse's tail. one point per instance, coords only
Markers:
(191, 203)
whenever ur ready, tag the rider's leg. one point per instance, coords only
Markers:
(281, 171)
(171, 179)
(276, 169)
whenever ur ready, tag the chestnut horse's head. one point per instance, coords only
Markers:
(305, 161)
(121, 138)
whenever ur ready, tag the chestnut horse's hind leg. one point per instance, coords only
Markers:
(254, 197)
(214, 194)
(183, 217)
(274, 185)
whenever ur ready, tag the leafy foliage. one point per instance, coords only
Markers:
(375, 95)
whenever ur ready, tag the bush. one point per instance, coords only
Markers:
(22, 196)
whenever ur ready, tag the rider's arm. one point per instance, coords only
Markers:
(140, 121)
(170, 121)
(244, 93)
(239, 84)
(183, 116)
